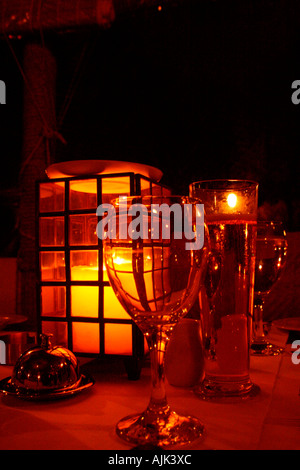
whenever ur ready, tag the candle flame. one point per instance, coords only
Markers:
(231, 200)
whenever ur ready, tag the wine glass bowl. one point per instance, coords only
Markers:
(271, 253)
(154, 283)
(156, 279)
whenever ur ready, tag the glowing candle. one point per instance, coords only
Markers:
(90, 318)
(231, 200)
(85, 303)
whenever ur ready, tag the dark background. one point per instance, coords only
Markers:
(199, 89)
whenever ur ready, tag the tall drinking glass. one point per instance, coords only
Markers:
(271, 252)
(231, 214)
(155, 267)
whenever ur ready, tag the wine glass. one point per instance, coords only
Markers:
(271, 252)
(157, 285)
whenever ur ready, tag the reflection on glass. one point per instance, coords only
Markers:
(53, 300)
(52, 197)
(84, 265)
(86, 337)
(85, 301)
(52, 231)
(52, 265)
(115, 187)
(112, 307)
(83, 194)
(58, 330)
(83, 230)
(118, 339)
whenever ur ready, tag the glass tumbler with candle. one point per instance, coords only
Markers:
(231, 216)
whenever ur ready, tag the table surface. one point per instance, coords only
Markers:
(271, 420)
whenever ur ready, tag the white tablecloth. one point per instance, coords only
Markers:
(271, 420)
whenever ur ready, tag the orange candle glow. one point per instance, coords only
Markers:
(85, 303)
(76, 303)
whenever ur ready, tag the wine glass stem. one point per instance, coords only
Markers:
(258, 326)
(157, 342)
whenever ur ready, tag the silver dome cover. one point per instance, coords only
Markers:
(45, 369)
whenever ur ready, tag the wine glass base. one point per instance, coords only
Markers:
(265, 348)
(226, 391)
(160, 430)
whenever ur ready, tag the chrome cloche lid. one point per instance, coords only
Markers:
(45, 369)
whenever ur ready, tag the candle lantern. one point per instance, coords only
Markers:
(76, 303)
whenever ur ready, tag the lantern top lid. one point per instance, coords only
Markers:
(79, 168)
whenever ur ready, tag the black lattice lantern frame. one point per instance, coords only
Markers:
(76, 304)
